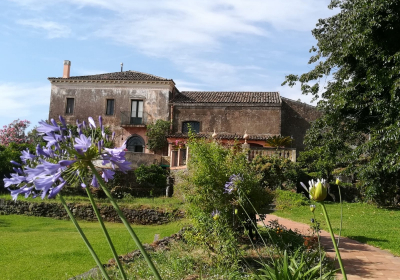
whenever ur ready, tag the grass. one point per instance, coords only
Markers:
(362, 222)
(167, 203)
(44, 248)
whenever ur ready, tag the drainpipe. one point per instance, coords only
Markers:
(172, 117)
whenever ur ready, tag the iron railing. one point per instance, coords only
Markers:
(127, 119)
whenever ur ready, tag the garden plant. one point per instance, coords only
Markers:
(70, 160)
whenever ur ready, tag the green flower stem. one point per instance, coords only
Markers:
(341, 215)
(103, 227)
(333, 240)
(125, 222)
(319, 248)
(92, 252)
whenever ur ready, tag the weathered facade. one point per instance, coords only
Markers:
(128, 101)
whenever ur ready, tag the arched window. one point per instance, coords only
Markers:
(135, 144)
(194, 126)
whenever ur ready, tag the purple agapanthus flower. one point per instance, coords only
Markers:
(107, 174)
(91, 122)
(47, 128)
(23, 190)
(232, 184)
(45, 170)
(44, 184)
(54, 191)
(116, 157)
(83, 143)
(14, 180)
(94, 182)
(26, 155)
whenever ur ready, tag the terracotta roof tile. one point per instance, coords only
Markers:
(125, 75)
(226, 97)
(227, 136)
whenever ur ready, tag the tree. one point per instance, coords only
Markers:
(279, 141)
(359, 50)
(157, 135)
(14, 132)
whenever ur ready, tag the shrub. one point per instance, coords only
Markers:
(151, 176)
(157, 135)
(209, 206)
(289, 199)
(278, 172)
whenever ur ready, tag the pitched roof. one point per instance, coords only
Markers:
(227, 136)
(125, 75)
(226, 97)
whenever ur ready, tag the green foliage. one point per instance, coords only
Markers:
(289, 200)
(358, 51)
(278, 172)
(157, 135)
(151, 176)
(210, 167)
(300, 266)
(279, 141)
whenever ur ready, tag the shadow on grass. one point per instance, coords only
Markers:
(364, 239)
(4, 223)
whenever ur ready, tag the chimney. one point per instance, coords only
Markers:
(67, 68)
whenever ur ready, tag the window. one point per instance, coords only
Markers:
(70, 106)
(135, 144)
(137, 112)
(194, 126)
(110, 107)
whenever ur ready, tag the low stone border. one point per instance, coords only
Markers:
(85, 212)
(161, 244)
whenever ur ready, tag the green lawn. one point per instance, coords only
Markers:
(363, 222)
(44, 248)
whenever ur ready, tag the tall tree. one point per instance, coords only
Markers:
(358, 51)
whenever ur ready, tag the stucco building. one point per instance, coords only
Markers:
(129, 100)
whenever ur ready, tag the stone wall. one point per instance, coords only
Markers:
(230, 118)
(296, 119)
(138, 159)
(85, 212)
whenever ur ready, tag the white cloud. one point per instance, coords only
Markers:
(164, 28)
(195, 35)
(53, 29)
(26, 101)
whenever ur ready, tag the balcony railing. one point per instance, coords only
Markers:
(127, 119)
(289, 153)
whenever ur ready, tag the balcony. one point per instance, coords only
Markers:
(128, 121)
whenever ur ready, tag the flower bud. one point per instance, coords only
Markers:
(312, 208)
(319, 191)
(337, 181)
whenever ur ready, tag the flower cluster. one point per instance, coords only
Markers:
(232, 185)
(179, 144)
(64, 160)
(14, 132)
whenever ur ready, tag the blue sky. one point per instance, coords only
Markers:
(238, 45)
